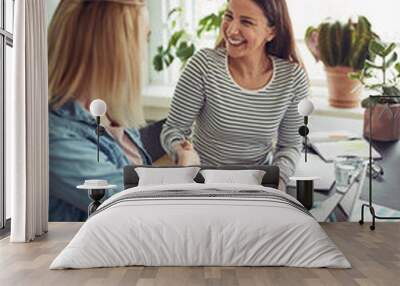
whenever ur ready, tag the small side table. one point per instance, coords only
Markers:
(96, 190)
(305, 190)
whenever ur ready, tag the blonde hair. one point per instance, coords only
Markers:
(95, 51)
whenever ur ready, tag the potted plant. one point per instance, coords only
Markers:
(381, 75)
(181, 43)
(343, 48)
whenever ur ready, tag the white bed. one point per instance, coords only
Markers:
(201, 224)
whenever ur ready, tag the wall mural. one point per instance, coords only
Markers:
(235, 102)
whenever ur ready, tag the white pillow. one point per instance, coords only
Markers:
(248, 177)
(163, 176)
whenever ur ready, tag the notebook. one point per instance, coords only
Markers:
(355, 147)
(330, 144)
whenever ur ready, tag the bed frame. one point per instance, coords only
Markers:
(270, 179)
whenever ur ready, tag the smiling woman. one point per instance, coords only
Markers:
(242, 95)
(267, 22)
(249, 30)
(246, 31)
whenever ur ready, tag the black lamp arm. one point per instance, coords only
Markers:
(100, 130)
(303, 131)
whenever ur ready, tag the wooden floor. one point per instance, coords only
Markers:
(375, 257)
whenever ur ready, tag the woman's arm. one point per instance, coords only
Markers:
(288, 145)
(189, 98)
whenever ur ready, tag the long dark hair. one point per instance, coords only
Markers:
(284, 44)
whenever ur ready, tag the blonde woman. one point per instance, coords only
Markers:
(95, 51)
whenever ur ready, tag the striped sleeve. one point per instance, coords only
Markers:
(288, 145)
(187, 101)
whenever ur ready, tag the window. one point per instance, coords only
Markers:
(6, 43)
(303, 13)
(192, 12)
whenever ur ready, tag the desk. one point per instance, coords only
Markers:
(385, 192)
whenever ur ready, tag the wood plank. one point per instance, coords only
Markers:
(375, 257)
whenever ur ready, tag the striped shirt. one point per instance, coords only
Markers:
(234, 125)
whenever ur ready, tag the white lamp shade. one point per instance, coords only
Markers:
(305, 107)
(98, 107)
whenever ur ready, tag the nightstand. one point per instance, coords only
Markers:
(96, 190)
(305, 190)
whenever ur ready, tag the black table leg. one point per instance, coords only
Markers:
(96, 195)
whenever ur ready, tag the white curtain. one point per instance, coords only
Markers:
(27, 150)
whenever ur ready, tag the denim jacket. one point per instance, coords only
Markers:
(73, 159)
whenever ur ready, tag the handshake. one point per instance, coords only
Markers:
(185, 154)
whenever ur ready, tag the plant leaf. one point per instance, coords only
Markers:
(175, 38)
(176, 10)
(311, 39)
(392, 60)
(369, 102)
(168, 59)
(346, 45)
(397, 67)
(377, 47)
(158, 63)
(209, 23)
(376, 87)
(185, 51)
(391, 91)
(336, 37)
(325, 44)
(389, 49)
(369, 64)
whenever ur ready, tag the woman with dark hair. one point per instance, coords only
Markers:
(242, 95)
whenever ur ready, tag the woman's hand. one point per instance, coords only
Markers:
(186, 155)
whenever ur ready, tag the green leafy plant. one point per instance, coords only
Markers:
(381, 74)
(341, 44)
(181, 43)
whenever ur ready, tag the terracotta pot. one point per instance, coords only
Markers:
(343, 92)
(385, 122)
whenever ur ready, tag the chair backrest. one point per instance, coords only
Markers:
(150, 136)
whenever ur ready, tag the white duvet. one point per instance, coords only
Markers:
(183, 231)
